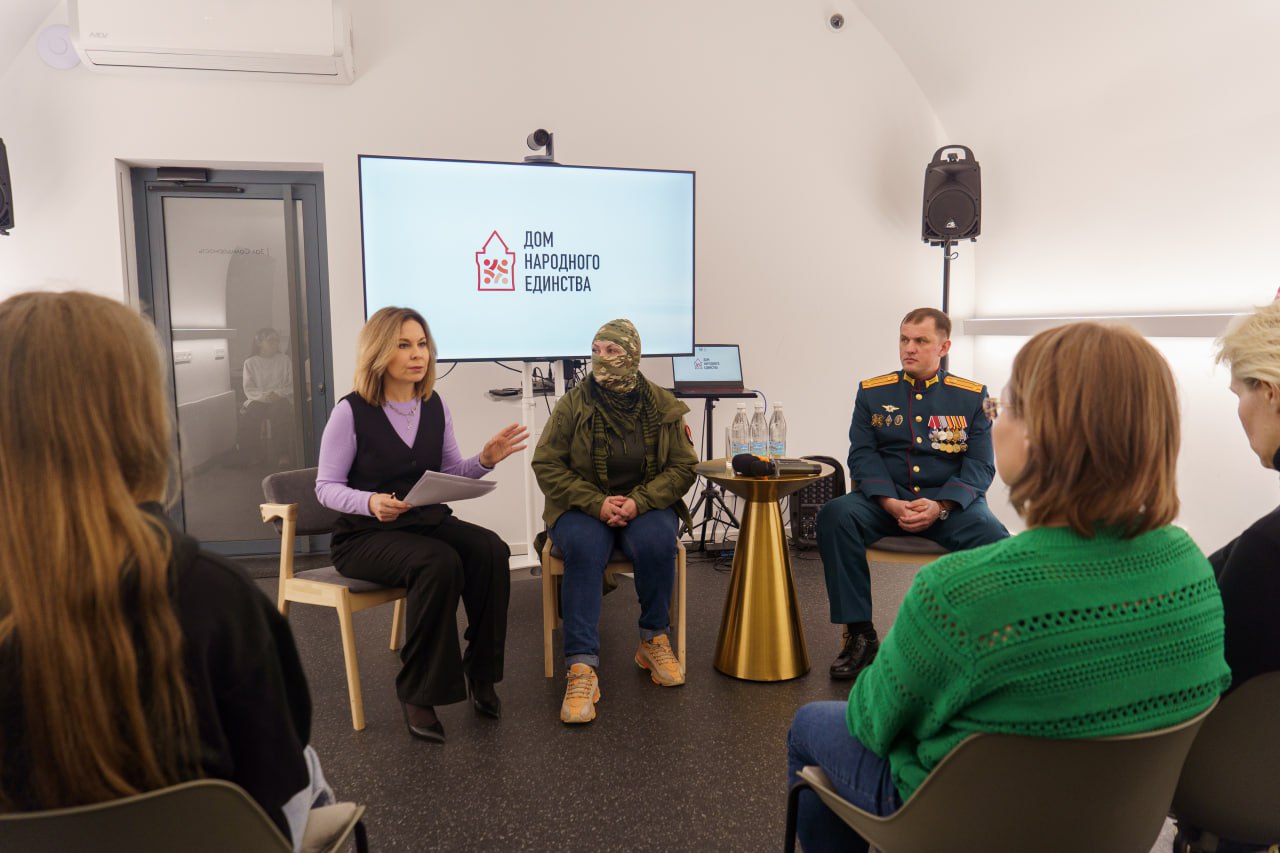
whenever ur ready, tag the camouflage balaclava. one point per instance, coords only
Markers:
(618, 373)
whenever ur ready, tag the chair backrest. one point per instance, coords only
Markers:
(205, 816)
(1012, 794)
(806, 502)
(299, 487)
(1230, 785)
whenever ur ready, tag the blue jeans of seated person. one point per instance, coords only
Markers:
(819, 735)
(648, 541)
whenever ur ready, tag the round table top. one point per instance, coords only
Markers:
(757, 488)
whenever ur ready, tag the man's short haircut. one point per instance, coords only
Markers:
(1101, 411)
(940, 320)
(1251, 346)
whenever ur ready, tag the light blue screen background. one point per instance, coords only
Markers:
(424, 220)
(727, 359)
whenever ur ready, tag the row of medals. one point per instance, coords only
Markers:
(949, 440)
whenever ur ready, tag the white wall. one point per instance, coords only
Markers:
(809, 147)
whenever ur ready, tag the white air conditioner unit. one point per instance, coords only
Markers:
(295, 39)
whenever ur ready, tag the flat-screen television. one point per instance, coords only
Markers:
(525, 262)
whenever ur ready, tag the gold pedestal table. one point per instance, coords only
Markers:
(761, 633)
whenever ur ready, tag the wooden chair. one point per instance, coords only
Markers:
(293, 506)
(553, 569)
(1229, 788)
(1012, 794)
(205, 816)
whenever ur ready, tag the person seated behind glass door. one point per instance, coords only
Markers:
(268, 391)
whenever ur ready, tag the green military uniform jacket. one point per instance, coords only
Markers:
(929, 438)
(566, 474)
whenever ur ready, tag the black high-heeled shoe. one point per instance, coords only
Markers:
(422, 722)
(484, 698)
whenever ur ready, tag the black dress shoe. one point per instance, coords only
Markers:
(422, 722)
(859, 650)
(484, 698)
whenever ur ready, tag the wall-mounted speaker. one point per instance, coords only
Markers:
(6, 194)
(952, 196)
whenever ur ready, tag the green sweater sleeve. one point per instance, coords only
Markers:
(919, 679)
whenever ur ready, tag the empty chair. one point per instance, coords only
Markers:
(1229, 788)
(204, 816)
(292, 505)
(1014, 794)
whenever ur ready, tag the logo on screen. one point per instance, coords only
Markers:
(495, 265)
(697, 364)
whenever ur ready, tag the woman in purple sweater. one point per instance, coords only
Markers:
(379, 441)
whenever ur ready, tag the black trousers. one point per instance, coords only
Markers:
(439, 564)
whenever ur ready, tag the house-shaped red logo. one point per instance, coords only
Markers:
(495, 265)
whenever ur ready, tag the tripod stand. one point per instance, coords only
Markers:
(711, 498)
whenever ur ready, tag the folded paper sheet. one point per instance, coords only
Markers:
(437, 488)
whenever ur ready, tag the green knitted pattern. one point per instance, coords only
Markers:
(1046, 634)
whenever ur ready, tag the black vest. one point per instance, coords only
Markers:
(384, 463)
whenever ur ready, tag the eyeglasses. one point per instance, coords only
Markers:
(991, 407)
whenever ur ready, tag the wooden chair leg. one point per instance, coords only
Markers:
(353, 668)
(681, 608)
(397, 625)
(548, 617)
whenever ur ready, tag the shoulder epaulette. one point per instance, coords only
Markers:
(961, 382)
(877, 381)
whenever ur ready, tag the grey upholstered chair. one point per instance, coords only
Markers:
(1013, 794)
(292, 505)
(205, 816)
(908, 550)
(1229, 786)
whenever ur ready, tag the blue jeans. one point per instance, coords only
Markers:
(649, 541)
(819, 735)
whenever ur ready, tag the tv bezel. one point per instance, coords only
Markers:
(693, 255)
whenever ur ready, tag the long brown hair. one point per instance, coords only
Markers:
(377, 345)
(85, 610)
(1101, 411)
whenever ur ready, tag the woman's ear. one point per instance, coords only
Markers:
(1272, 392)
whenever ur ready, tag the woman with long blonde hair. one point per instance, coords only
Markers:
(129, 659)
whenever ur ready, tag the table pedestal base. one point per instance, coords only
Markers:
(761, 634)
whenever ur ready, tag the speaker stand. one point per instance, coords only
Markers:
(947, 257)
(711, 499)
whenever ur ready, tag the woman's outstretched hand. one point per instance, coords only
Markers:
(507, 441)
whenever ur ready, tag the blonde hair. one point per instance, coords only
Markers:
(1101, 411)
(85, 611)
(1251, 346)
(377, 346)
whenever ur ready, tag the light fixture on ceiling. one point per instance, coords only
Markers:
(55, 48)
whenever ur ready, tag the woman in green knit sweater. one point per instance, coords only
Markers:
(1100, 619)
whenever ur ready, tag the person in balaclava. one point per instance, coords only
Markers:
(614, 462)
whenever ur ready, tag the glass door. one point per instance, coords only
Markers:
(230, 269)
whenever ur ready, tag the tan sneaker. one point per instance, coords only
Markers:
(581, 693)
(656, 656)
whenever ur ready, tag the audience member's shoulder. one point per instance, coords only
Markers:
(960, 382)
(1265, 529)
(957, 566)
(879, 381)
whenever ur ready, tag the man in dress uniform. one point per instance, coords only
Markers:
(921, 460)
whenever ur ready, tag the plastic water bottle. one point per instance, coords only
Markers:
(759, 432)
(739, 434)
(777, 433)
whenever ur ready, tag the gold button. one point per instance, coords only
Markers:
(916, 468)
(919, 439)
(919, 396)
(917, 488)
(919, 419)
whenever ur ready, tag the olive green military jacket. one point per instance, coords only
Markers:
(566, 474)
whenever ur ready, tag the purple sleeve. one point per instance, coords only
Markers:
(337, 453)
(451, 461)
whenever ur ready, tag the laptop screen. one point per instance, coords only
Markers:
(711, 367)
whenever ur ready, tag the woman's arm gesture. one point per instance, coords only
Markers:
(508, 440)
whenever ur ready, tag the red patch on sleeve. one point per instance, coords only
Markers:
(688, 433)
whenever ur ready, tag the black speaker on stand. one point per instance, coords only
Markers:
(952, 205)
(6, 194)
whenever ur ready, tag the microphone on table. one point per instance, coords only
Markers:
(750, 465)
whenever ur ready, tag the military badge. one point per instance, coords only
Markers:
(877, 420)
(897, 420)
(890, 408)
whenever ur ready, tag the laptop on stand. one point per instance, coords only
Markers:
(712, 369)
